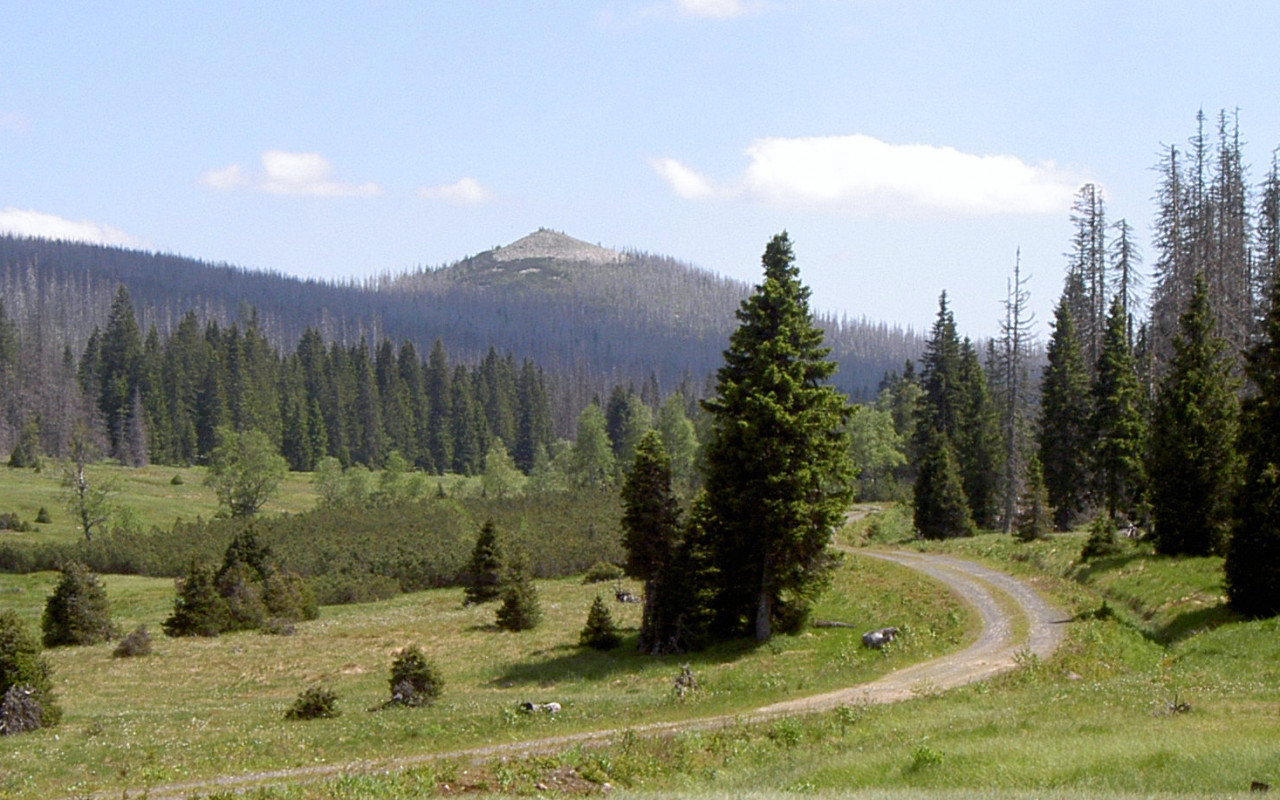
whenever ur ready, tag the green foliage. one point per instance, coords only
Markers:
(1064, 440)
(315, 702)
(1252, 566)
(177, 479)
(245, 471)
(415, 679)
(1034, 520)
(591, 461)
(520, 609)
(23, 665)
(602, 571)
(651, 533)
(43, 517)
(877, 452)
(500, 479)
(26, 451)
(941, 510)
(1118, 425)
(198, 610)
(10, 521)
(77, 613)
(778, 477)
(600, 632)
(1103, 541)
(136, 643)
(1193, 461)
(484, 572)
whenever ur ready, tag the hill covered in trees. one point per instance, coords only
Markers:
(591, 318)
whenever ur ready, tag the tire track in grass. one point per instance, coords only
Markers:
(1005, 605)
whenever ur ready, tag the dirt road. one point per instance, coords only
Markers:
(1015, 619)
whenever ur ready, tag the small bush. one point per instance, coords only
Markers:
(278, 626)
(176, 480)
(23, 665)
(600, 632)
(42, 516)
(137, 643)
(484, 572)
(12, 522)
(602, 571)
(415, 680)
(198, 609)
(317, 702)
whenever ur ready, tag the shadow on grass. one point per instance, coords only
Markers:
(1086, 571)
(1190, 623)
(570, 663)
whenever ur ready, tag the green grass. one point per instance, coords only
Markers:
(196, 706)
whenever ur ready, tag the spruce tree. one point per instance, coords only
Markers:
(1034, 519)
(198, 610)
(1193, 464)
(600, 632)
(1065, 442)
(651, 533)
(778, 473)
(520, 609)
(941, 510)
(77, 612)
(977, 439)
(1253, 556)
(1118, 426)
(484, 572)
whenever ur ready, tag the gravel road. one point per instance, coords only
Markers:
(1002, 603)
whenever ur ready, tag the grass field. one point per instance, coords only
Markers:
(1158, 691)
(197, 706)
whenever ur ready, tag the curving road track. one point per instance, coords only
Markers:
(1015, 619)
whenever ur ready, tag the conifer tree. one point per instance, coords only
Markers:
(119, 368)
(778, 474)
(977, 439)
(600, 632)
(1064, 440)
(1034, 520)
(22, 664)
(484, 572)
(198, 610)
(1253, 556)
(77, 612)
(650, 533)
(520, 609)
(941, 510)
(1119, 428)
(1193, 461)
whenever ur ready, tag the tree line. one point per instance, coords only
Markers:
(1163, 424)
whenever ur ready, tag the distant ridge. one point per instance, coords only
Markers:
(547, 244)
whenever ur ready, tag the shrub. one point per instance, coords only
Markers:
(42, 516)
(288, 597)
(520, 610)
(600, 632)
(77, 612)
(277, 626)
(317, 702)
(22, 665)
(137, 643)
(415, 680)
(12, 522)
(177, 479)
(602, 571)
(20, 711)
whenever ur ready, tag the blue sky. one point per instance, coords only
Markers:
(908, 147)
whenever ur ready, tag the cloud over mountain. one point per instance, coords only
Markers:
(283, 172)
(25, 222)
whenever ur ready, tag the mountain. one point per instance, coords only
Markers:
(590, 316)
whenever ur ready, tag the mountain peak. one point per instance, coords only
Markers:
(548, 244)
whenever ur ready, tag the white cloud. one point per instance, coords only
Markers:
(25, 222)
(683, 181)
(864, 176)
(717, 9)
(289, 173)
(466, 192)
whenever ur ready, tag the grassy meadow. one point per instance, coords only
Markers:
(1157, 691)
(198, 708)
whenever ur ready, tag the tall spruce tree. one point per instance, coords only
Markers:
(1119, 428)
(1193, 461)
(977, 439)
(1065, 440)
(778, 474)
(650, 534)
(941, 510)
(1253, 555)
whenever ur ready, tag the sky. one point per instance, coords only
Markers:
(907, 147)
